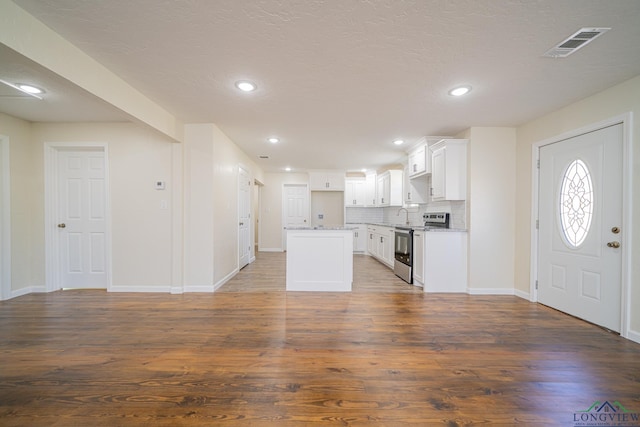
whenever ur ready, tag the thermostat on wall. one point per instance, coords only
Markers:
(159, 185)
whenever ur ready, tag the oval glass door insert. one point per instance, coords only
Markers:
(576, 203)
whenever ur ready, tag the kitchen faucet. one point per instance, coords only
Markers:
(407, 217)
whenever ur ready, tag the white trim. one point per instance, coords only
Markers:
(633, 335)
(224, 280)
(52, 260)
(522, 294)
(490, 291)
(28, 290)
(140, 288)
(626, 120)
(5, 220)
(261, 249)
(242, 167)
(199, 288)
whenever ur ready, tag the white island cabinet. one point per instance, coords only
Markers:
(320, 259)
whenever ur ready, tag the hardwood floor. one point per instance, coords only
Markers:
(255, 355)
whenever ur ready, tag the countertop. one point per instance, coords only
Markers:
(416, 227)
(322, 228)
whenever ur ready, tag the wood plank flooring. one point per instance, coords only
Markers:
(255, 355)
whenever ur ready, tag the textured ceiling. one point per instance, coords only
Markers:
(339, 80)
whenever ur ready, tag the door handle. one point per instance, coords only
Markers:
(62, 225)
(613, 244)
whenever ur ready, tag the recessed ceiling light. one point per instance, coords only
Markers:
(460, 90)
(398, 142)
(273, 140)
(246, 85)
(288, 169)
(30, 89)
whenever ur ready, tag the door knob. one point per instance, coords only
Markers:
(63, 225)
(615, 230)
(613, 244)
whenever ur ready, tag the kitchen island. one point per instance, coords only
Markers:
(319, 259)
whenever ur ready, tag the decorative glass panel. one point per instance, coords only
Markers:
(576, 203)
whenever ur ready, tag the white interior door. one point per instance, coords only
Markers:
(580, 214)
(244, 217)
(81, 224)
(295, 210)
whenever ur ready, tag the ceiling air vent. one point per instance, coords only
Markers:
(579, 39)
(263, 157)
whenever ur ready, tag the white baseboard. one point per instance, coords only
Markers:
(633, 336)
(176, 290)
(28, 290)
(225, 279)
(199, 288)
(490, 291)
(138, 288)
(522, 294)
(270, 250)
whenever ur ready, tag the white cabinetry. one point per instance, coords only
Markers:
(390, 188)
(419, 160)
(370, 191)
(326, 181)
(416, 190)
(380, 243)
(354, 192)
(418, 258)
(359, 237)
(449, 169)
(445, 261)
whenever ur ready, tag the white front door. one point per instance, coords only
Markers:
(244, 217)
(580, 214)
(295, 208)
(81, 216)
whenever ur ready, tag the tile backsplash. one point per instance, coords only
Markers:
(392, 215)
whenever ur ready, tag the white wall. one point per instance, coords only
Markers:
(211, 205)
(141, 230)
(27, 244)
(331, 205)
(604, 105)
(271, 209)
(491, 209)
(198, 200)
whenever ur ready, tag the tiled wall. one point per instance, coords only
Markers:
(393, 215)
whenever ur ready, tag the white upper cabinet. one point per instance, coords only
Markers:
(449, 169)
(354, 192)
(370, 190)
(390, 188)
(419, 160)
(415, 190)
(326, 181)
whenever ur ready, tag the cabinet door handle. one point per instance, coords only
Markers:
(431, 191)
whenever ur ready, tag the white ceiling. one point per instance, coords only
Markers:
(338, 80)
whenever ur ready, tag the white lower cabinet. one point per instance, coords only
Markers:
(359, 238)
(418, 258)
(380, 243)
(445, 261)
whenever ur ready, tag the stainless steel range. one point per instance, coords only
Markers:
(403, 263)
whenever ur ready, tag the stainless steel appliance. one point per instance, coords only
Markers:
(436, 220)
(403, 263)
